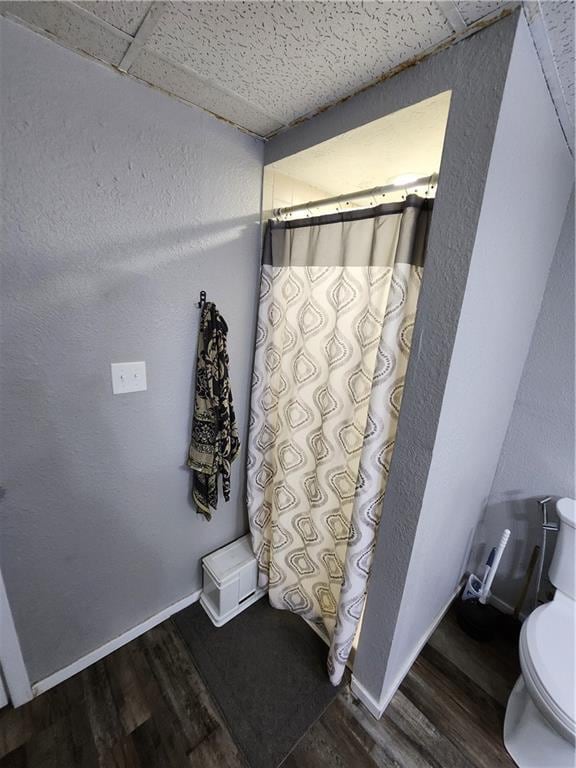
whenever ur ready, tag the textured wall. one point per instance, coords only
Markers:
(537, 458)
(120, 204)
(515, 243)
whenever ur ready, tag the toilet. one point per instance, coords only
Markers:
(540, 728)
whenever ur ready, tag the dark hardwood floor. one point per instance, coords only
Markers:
(145, 706)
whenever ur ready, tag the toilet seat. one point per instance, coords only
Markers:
(548, 666)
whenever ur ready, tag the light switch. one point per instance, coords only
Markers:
(128, 377)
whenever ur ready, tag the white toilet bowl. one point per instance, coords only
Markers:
(540, 727)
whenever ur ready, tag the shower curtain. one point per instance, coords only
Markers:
(337, 305)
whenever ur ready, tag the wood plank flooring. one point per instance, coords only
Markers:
(145, 706)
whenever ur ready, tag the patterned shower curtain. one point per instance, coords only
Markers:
(337, 305)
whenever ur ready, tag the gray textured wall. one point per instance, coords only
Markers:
(537, 458)
(515, 243)
(120, 204)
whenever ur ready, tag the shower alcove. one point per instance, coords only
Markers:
(375, 166)
(491, 240)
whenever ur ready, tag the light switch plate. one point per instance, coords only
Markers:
(128, 377)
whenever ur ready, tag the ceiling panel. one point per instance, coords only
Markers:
(264, 65)
(472, 10)
(292, 58)
(123, 14)
(72, 27)
(187, 85)
(558, 19)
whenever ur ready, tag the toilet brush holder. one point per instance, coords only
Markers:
(477, 620)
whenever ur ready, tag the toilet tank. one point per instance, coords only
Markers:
(563, 566)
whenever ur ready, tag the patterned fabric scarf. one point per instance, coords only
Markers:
(214, 444)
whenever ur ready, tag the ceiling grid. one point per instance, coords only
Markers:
(264, 66)
(145, 29)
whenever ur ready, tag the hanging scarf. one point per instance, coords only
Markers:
(214, 444)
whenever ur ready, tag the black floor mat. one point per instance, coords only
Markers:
(266, 671)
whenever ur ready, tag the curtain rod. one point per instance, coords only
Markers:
(429, 181)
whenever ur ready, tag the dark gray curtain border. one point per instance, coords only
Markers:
(412, 240)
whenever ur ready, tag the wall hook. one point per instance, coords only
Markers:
(202, 299)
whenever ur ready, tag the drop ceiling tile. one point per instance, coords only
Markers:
(126, 15)
(472, 10)
(558, 19)
(73, 28)
(293, 58)
(188, 86)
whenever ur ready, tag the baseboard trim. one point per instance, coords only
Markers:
(504, 607)
(112, 645)
(371, 704)
(14, 670)
(377, 707)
